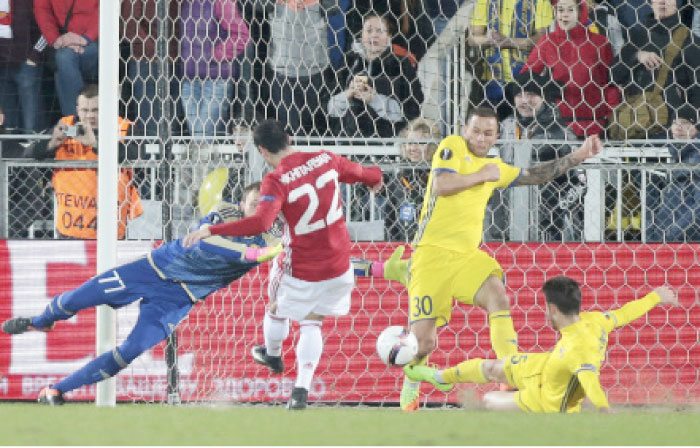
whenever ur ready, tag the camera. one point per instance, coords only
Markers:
(74, 131)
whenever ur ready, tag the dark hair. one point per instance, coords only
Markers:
(89, 91)
(391, 26)
(255, 186)
(270, 134)
(563, 292)
(483, 112)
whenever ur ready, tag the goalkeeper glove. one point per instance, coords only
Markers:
(262, 254)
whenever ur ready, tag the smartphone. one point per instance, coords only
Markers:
(361, 79)
(74, 131)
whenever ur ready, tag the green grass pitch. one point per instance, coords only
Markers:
(85, 424)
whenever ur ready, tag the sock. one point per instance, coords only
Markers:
(503, 338)
(104, 366)
(465, 372)
(309, 349)
(54, 311)
(275, 330)
(377, 269)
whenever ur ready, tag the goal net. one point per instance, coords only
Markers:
(385, 89)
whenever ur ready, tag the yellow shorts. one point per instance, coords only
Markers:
(437, 275)
(524, 372)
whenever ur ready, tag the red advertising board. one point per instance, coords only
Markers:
(652, 360)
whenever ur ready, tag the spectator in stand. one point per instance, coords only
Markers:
(381, 91)
(633, 14)
(505, 48)
(140, 30)
(213, 35)
(76, 188)
(674, 200)
(406, 186)
(21, 48)
(71, 27)
(643, 61)
(415, 31)
(299, 60)
(441, 11)
(579, 59)
(537, 118)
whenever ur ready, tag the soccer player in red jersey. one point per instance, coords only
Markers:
(312, 277)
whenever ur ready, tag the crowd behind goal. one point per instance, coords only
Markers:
(381, 82)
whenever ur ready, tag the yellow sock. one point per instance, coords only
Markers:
(465, 372)
(503, 338)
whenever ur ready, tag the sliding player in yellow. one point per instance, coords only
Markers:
(559, 380)
(447, 261)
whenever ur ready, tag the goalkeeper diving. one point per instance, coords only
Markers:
(559, 380)
(169, 281)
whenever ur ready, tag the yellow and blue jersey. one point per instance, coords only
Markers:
(571, 371)
(456, 222)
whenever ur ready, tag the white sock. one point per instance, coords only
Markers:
(438, 376)
(275, 330)
(309, 349)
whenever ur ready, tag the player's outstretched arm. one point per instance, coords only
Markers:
(638, 308)
(544, 172)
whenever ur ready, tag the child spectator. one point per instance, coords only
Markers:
(579, 59)
(406, 186)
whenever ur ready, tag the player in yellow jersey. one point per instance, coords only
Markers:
(559, 380)
(447, 261)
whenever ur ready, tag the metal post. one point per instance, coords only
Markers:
(165, 173)
(4, 200)
(108, 140)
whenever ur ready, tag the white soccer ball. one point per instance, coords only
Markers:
(396, 346)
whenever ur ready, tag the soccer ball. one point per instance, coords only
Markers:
(396, 346)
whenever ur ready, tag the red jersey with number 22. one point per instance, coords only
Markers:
(305, 188)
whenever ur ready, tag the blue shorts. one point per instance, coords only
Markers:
(163, 303)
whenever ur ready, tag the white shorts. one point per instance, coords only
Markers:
(297, 298)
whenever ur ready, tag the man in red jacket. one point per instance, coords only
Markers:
(71, 27)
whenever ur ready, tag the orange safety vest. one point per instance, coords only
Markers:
(76, 190)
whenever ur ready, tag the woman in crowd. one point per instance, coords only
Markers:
(381, 91)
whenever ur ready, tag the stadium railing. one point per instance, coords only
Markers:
(162, 183)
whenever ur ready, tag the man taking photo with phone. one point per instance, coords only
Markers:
(75, 138)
